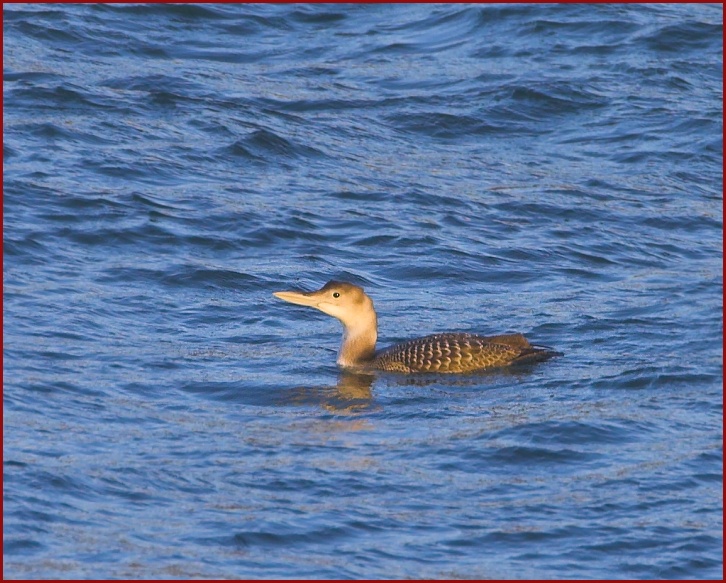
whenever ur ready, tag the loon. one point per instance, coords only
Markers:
(452, 352)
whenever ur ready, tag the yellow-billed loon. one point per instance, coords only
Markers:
(451, 352)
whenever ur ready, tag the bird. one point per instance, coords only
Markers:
(448, 353)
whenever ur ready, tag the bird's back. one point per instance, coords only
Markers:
(458, 353)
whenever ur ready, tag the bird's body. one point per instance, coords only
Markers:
(457, 353)
(452, 352)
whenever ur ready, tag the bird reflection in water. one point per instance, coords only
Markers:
(353, 391)
(351, 394)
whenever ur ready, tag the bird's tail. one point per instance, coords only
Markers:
(536, 353)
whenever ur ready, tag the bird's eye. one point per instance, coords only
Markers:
(336, 295)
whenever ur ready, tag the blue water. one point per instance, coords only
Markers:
(554, 170)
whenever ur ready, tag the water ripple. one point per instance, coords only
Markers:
(550, 169)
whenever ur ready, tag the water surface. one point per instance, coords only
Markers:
(549, 169)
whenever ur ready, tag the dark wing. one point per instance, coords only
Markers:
(455, 353)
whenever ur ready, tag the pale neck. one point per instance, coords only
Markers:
(359, 343)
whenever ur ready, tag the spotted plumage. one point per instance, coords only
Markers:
(439, 353)
(457, 353)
